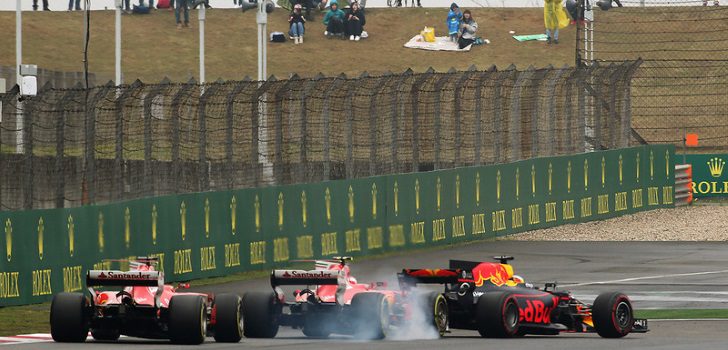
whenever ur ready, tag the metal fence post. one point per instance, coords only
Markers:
(396, 98)
(373, 144)
(117, 187)
(437, 117)
(28, 111)
(203, 166)
(229, 116)
(627, 129)
(550, 120)
(571, 84)
(415, 93)
(498, 120)
(514, 122)
(90, 152)
(480, 81)
(280, 97)
(536, 82)
(176, 101)
(60, 177)
(457, 107)
(304, 166)
(327, 125)
(148, 171)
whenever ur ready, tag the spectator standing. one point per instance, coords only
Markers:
(454, 17)
(355, 22)
(554, 18)
(70, 5)
(45, 5)
(334, 20)
(297, 20)
(182, 7)
(467, 30)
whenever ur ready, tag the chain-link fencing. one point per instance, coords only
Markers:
(69, 147)
(682, 85)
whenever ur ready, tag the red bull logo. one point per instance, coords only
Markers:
(497, 274)
(433, 273)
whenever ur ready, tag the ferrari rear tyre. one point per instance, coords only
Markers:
(436, 311)
(69, 321)
(612, 314)
(497, 315)
(228, 318)
(371, 315)
(105, 334)
(260, 314)
(315, 326)
(187, 319)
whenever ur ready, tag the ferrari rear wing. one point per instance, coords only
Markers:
(411, 277)
(127, 279)
(311, 277)
(124, 278)
(303, 277)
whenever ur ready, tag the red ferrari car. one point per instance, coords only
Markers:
(143, 307)
(332, 302)
(490, 298)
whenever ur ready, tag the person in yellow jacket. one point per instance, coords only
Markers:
(555, 18)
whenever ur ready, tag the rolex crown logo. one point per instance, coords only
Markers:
(716, 166)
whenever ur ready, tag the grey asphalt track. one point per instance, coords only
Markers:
(655, 275)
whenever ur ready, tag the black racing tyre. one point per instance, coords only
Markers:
(497, 315)
(370, 315)
(316, 326)
(105, 334)
(228, 318)
(260, 315)
(612, 314)
(187, 319)
(437, 314)
(69, 320)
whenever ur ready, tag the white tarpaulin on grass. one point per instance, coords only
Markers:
(442, 43)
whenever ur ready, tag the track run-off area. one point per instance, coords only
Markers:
(670, 275)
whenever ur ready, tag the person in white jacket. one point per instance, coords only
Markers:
(468, 27)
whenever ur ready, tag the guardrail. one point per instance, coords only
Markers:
(219, 233)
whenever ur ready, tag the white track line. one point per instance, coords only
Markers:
(645, 278)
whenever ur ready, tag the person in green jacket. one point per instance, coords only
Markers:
(334, 20)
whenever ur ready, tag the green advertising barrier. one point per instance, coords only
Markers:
(218, 233)
(709, 179)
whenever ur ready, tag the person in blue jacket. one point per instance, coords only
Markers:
(454, 17)
(334, 20)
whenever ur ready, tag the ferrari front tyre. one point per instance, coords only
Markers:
(69, 322)
(436, 311)
(105, 334)
(187, 319)
(612, 315)
(228, 318)
(260, 313)
(497, 315)
(370, 315)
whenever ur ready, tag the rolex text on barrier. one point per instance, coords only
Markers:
(219, 233)
(708, 176)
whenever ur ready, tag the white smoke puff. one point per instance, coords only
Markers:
(418, 323)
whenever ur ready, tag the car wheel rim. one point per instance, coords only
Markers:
(440, 317)
(203, 322)
(240, 322)
(623, 314)
(511, 315)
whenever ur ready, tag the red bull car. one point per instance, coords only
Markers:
(333, 301)
(143, 306)
(489, 298)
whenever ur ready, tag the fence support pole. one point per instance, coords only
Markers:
(415, 93)
(442, 80)
(514, 122)
(548, 125)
